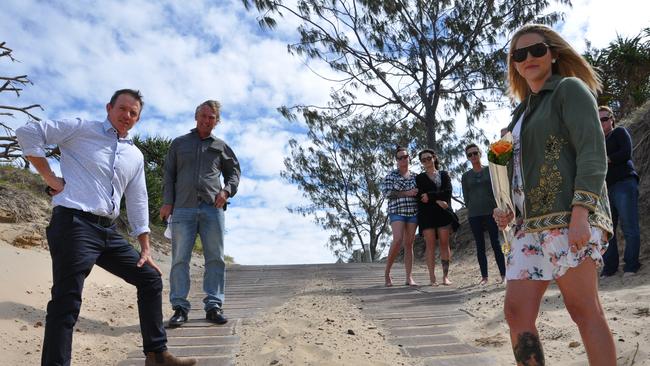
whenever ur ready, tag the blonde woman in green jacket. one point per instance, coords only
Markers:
(562, 218)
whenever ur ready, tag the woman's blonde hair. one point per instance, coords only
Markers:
(567, 61)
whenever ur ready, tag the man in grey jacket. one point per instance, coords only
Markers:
(194, 193)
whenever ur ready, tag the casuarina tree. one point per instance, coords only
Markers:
(428, 60)
(422, 62)
(624, 67)
(340, 169)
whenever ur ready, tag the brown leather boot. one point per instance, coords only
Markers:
(165, 358)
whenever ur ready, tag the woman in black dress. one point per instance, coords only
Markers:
(435, 221)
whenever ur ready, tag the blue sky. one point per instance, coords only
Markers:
(180, 53)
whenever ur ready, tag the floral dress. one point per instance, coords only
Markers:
(543, 255)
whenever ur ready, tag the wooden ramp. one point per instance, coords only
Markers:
(421, 320)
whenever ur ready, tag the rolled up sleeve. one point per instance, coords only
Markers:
(231, 171)
(387, 186)
(137, 203)
(33, 137)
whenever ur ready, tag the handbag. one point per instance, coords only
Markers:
(455, 222)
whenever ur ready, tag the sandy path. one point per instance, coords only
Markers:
(320, 326)
(108, 325)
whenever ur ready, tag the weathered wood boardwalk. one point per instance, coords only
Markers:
(421, 320)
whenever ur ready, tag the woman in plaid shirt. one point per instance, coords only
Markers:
(401, 191)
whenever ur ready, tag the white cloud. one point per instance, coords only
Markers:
(179, 56)
(274, 236)
(264, 144)
(600, 21)
(273, 193)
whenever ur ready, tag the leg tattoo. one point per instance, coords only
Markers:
(528, 350)
(445, 266)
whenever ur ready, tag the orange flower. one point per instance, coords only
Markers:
(500, 152)
(501, 147)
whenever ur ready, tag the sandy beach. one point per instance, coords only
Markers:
(626, 302)
(108, 324)
(310, 328)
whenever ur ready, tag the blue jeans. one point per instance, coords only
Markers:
(623, 201)
(76, 245)
(476, 223)
(208, 222)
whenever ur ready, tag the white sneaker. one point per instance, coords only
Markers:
(629, 274)
(604, 275)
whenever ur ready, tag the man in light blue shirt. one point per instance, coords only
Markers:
(99, 165)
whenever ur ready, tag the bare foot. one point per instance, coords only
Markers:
(503, 280)
(411, 282)
(446, 281)
(389, 280)
(484, 281)
(434, 283)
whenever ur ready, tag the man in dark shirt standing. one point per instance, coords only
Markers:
(193, 192)
(622, 185)
(479, 199)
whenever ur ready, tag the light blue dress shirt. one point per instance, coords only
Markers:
(97, 165)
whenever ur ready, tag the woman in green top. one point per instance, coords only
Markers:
(562, 219)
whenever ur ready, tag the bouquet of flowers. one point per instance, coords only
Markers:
(501, 151)
(498, 157)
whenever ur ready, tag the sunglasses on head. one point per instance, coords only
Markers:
(535, 50)
(402, 157)
(472, 153)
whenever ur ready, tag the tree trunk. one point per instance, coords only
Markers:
(367, 256)
(373, 250)
(430, 123)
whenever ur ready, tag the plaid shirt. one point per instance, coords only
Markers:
(394, 182)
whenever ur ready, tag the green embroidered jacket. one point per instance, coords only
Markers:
(563, 156)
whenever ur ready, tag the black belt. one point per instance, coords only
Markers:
(90, 217)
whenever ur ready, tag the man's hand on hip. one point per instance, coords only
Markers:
(42, 166)
(55, 185)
